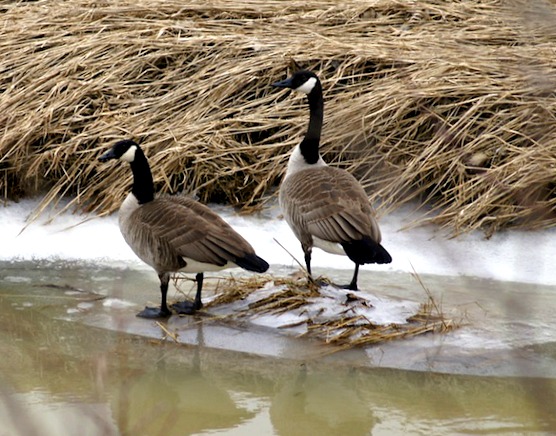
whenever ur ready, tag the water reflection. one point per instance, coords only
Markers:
(59, 376)
(460, 404)
(320, 403)
(167, 399)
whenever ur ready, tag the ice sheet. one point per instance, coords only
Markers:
(523, 256)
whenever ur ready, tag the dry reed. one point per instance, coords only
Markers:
(448, 102)
(347, 328)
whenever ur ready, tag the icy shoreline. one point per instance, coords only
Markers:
(520, 256)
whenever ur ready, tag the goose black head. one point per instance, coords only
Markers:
(123, 150)
(302, 81)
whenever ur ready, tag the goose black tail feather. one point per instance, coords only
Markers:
(252, 262)
(366, 251)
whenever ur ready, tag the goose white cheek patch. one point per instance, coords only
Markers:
(129, 155)
(308, 86)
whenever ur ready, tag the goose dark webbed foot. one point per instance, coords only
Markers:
(186, 307)
(353, 284)
(350, 287)
(321, 282)
(153, 313)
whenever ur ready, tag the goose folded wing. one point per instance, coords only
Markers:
(204, 237)
(331, 224)
(338, 209)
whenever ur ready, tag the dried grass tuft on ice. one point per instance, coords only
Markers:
(336, 316)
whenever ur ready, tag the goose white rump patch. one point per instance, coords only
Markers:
(329, 247)
(194, 266)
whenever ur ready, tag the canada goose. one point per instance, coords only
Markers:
(326, 207)
(175, 233)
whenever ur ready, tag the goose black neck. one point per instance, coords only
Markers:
(143, 185)
(310, 145)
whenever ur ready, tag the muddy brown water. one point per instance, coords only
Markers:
(73, 362)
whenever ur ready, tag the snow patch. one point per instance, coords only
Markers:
(521, 256)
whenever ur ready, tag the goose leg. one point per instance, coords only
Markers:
(353, 285)
(307, 249)
(187, 307)
(307, 253)
(163, 311)
(198, 303)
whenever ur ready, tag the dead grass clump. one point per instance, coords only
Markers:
(448, 102)
(336, 317)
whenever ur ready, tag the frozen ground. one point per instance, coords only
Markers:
(518, 256)
(503, 289)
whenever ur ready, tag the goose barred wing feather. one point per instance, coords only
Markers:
(330, 204)
(186, 228)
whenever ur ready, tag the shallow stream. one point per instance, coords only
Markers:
(76, 360)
